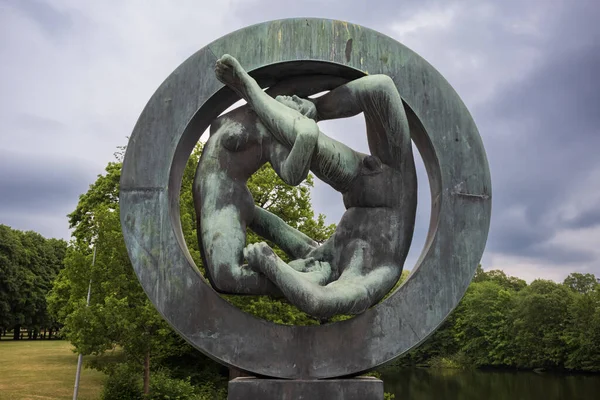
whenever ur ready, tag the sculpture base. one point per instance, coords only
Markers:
(250, 388)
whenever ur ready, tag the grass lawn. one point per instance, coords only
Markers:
(43, 369)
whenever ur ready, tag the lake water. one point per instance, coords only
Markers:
(447, 384)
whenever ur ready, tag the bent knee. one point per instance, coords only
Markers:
(379, 83)
(225, 278)
(340, 298)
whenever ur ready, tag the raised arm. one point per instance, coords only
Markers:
(268, 225)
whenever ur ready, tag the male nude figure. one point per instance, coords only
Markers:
(364, 258)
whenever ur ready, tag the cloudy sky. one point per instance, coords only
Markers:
(75, 75)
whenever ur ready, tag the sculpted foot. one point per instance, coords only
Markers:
(229, 71)
(259, 255)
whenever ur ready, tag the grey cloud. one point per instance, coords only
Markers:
(549, 144)
(34, 186)
(373, 15)
(55, 226)
(558, 255)
(35, 123)
(585, 219)
(51, 19)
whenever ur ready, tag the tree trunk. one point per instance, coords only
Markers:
(17, 332)
(147, 374)
(50, 334)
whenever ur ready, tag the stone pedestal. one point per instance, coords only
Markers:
(250, 388)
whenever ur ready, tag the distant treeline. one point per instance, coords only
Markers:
(504, 322)
(28, 265)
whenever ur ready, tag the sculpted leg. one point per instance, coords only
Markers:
(300, 277)
(387, 125)
(223, 239)
(353, 293)
(279, 119)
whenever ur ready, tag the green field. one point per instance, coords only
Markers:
(43, 369)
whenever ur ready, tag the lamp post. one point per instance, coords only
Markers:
(80, 358)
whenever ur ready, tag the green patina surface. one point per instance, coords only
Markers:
(364, 258)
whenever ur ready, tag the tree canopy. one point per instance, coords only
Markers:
(28, 265)
(503, 322)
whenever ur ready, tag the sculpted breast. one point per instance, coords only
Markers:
(233, 136)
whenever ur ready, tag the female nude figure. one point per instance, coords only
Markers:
(238, 146)
(364, 258)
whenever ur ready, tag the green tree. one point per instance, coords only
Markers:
(480, 274)
(583, 327)
(119, 313)
(581, 283)
(11, 254)
(503, 322)
(483, 324)
(28, 265)
(500, 277)
(541, 314)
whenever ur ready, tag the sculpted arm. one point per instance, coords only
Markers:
(268, 225)
(293, 165)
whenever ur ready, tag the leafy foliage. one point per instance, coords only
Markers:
(28, 265)
(124, 382)
(503, 322)
(482, 324)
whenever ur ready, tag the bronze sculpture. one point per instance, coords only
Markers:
(309, 358)
(363, 260)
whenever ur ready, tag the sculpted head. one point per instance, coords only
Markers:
(303, 106)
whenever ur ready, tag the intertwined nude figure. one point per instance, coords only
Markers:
(363, 259)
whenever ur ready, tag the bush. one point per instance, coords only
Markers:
(163, 387)
(455, 361)
(210, 391)
(124, 382)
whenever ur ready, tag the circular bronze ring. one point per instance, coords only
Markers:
(186, 103)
